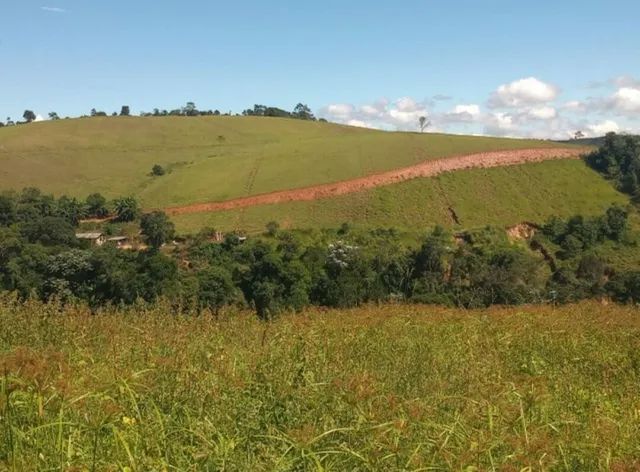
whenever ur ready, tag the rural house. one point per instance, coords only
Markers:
(95, 238)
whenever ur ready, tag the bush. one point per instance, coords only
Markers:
(272, 228)
(158, 170)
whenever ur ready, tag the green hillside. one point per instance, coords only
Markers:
(210, 158)
(499, 196)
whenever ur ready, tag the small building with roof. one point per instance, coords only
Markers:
(95, 238)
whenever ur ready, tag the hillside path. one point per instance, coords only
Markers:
(423, 169)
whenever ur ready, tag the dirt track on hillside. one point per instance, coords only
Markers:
(424, 169)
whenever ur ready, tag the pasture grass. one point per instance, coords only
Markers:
(500, 196)
(210, 158)
(394, 387)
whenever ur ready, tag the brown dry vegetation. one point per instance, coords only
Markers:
(375, 388)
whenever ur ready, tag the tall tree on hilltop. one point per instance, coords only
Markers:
(424, 123)
(29, 116)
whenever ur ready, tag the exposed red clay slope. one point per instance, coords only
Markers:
(424, 169)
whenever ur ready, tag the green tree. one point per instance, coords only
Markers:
(96, 206)
(8, 210)
(424, 123)
(125, 111)
(29, 116)
(126, 209)
(303, 112)
(616, 222)
(69, 275)
(53, 116)
(618, 158)
(216, 288)
(156, 228)
(190, 109)
(70, 209)
(49, 231)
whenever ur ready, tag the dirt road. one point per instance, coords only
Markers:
(424, 169)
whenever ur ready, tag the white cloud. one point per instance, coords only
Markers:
(403, 114)
(473, 109)
(529, 91)
(370, 110)
(340, 109)
(461, 114)
(39, 118)
(524, 108)
(573, 105)
(53, 9)
(407, 105)
(626, 81)
(499, 124)
(542, 113)
(603, 127)
(627, 99)
(359, 123)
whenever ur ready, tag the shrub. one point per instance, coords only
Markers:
(158, 170)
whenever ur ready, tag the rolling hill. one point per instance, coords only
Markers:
(212, 159)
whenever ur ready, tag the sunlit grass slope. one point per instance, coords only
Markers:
(210, 158)
(498, 196)
(387, 388)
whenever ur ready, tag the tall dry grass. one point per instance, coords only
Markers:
(378, 388)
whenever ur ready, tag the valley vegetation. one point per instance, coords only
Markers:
(283, 270)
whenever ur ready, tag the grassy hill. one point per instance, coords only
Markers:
(375, 388)
(219, 158)
(498, 196)
(210, 158)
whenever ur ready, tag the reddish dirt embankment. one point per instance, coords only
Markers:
(424, 169)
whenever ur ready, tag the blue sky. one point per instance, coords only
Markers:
(543, 68)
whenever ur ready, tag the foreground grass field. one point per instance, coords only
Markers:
(499, 196)
(210, 158)
(388, 388)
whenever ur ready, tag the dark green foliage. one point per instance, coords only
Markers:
(8, 210)
(616, 221)
(578, 234)
(157, 170)
(271, 283)
(69, 275)
(215, 288)
(96, 206)
(156, 228)
(300, 112)
(126, 209)
(618, 158)
(272, 228)
(125, 111)
(49, 231)
(625, 287)
(70, 209)
(303, 112)
(29, 116)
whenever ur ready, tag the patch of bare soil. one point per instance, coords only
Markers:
(424, 169)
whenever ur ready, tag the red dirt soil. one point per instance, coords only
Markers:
(424, 169)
